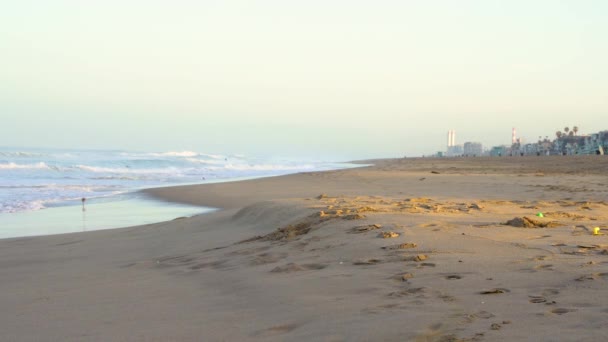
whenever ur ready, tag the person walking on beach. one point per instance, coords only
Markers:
(83, 200)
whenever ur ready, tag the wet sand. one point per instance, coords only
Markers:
(406, 250)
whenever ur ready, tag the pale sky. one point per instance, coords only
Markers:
(340, 79)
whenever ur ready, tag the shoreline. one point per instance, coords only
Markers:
(138, 201)
(303, 257)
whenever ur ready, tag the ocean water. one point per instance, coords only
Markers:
(38, 187)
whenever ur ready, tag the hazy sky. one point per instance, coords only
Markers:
(338, 79)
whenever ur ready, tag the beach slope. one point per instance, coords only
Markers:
(405, 250)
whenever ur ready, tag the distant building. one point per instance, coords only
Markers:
(454, 151)
(498, 151)
(472, 149)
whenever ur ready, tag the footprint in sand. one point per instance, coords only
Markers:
(544, 267)
(495, 291)
(367, 262)
(293, 267)
(418, 291)
(267, 258)
(540, 300)
(483, 315)
(537, 299)
(453, 277)
(276, 330)
(550, 292)
(495, 326)
(592, 276)
(446, 297)
(561, 311)
(406, 245)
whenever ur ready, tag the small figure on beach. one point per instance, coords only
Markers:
(83, 200)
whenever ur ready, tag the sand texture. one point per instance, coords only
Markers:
(406, 250)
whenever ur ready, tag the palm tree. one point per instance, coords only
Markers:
(558, 134)
(566, 129)
(575, 129)
(571, 134)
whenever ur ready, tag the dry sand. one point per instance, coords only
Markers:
(407, 250)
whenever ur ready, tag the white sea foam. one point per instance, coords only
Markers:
(18, 154)
(17, 206)
(174, 154)
(12, 165)
(126, 170)
(268, 167)
(31, 180)
(206, 161)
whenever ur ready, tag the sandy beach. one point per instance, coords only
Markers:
(405, 250)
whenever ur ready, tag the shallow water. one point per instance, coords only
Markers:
(120, 212)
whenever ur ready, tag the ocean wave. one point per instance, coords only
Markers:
(175, 154)
(126, 170)
(64, 187)
(267, 167)
(18, 206)
(131, 178)
(206, 161)
(19, 154)
(214, 156)
(30, 183)
(12, 166)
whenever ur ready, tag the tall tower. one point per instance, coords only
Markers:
(451, 138)
(513, 136)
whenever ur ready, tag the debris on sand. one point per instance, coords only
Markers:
(527, 222)
(406, 245)
(475, 206)
(406, 276)
(363, 229)
(354, 217)
(388, 235)
(420, 257)
(417, 258)
(418, 200)
(291, 267)
(285, 233)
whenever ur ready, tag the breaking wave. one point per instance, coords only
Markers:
(31, 180)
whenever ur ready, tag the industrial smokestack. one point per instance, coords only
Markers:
(451, 138)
